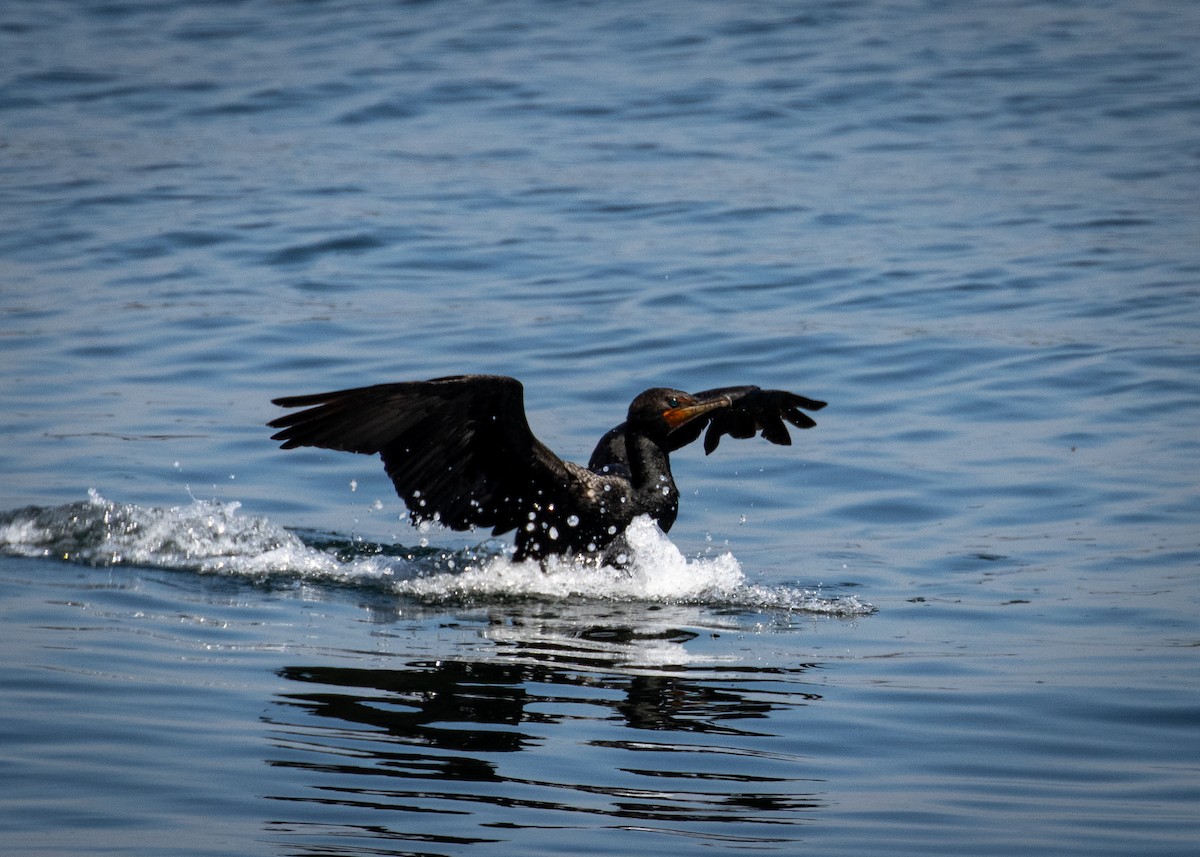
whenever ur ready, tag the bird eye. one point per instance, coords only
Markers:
(673, 402)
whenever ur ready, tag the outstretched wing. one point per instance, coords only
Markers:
(751, 411)
(459, 450)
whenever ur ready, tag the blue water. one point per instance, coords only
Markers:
(957, 617)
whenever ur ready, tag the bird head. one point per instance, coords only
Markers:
(660, 410)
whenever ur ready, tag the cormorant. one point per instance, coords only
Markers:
(460, 452)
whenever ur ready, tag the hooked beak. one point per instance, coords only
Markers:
(675, 417)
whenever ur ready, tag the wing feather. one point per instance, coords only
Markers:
(753, 410)
(459, 450)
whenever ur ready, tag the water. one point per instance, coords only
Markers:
(957, 617)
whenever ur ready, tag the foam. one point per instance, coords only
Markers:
(210, 537)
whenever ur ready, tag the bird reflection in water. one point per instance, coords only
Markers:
(545, 727)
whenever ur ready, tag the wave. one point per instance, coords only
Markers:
(211, 537)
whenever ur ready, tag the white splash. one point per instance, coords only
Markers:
(210, 537)
(204, 536)
(654, 570)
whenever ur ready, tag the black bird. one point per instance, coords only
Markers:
(460, 452)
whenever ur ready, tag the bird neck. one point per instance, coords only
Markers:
(649, 465)
(654, 491)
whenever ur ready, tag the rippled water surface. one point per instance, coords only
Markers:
(957, 617)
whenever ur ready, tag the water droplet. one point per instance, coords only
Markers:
(572, 520)
(553, 534)
(353, 484)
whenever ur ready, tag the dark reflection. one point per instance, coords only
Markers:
(408, 703)
(550, 732)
